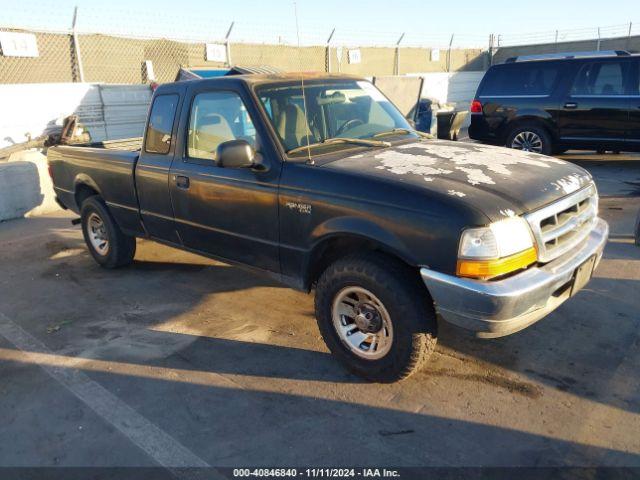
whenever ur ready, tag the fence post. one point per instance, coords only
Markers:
(328, 51)
(492, 43)
(226, 44)
(76, 45)
(449, 53)
(629, 36)
(396, 64)
(598, 44)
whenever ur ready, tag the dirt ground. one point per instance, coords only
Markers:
(179, 360)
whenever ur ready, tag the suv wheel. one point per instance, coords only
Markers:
(375, 317)
(530, 139)
(109, 247)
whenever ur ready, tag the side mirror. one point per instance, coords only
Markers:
(236, 154)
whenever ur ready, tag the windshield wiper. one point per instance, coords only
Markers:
(329, 141)
(406, 131)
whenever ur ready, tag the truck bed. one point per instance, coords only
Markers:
(107, 170)
(133, 144)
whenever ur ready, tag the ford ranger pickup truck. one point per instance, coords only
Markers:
(320, 182)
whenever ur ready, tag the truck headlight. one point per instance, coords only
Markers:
(502, 247)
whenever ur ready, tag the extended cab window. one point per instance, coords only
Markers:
(521, 79)
(161, 119)
(217, 117)
(600, 78)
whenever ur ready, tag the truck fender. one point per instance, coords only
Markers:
(356, 230)
(84, 179)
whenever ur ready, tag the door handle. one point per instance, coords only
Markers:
(571, 105)
(182, 181)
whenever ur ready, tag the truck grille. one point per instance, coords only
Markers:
(561, 226)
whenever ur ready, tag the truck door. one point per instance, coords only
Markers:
(231, 213)
(596, 108)
(152, 169)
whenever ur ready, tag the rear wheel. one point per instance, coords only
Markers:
(375, 317)
(109, 247)
(530, 138)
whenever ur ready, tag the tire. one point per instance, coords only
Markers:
(108, 246)
(530, 138)
(368, 281)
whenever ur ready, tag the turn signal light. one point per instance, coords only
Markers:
(476, 106)
(493, 268)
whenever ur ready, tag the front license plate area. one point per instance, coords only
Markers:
(583, 274)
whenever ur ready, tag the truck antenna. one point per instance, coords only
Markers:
(304, 97)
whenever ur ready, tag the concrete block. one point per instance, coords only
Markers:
(25, 186)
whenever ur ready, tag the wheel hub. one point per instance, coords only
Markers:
(98, 234)
(528, 142)
(362, 322)
(368, 319)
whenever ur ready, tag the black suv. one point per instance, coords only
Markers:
(551, 103)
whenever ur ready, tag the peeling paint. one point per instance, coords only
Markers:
(507, 213)
(403, 163)
(455, 193)
(479, 162)
(476, 176)
(569, 184)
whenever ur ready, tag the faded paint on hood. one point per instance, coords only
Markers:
(498, 181)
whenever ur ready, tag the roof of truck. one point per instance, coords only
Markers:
(262, 78)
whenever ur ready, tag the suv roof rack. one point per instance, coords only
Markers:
(567, 55)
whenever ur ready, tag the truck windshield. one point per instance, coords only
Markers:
(349, 109)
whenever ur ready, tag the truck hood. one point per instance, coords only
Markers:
(495, 180)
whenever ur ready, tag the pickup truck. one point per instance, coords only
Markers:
(320, 182)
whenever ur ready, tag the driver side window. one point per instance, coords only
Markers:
(217, 117)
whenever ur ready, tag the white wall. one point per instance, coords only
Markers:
(458, 88)
(108, 111)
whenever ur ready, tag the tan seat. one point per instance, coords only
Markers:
(293, 127)
(211, 132)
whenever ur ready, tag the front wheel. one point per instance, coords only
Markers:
(109, 247)
(375, 317)
(530, 139)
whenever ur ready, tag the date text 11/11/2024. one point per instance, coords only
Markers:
(316, 472)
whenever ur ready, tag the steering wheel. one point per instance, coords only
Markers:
(354, 122)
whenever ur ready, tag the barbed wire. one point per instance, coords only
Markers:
(569, 35)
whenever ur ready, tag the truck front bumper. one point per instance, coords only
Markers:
(499, 308)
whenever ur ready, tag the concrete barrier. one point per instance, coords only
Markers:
(25, 186)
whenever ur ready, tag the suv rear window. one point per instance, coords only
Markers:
(520, 79)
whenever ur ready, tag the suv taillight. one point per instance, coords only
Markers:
(476, 106)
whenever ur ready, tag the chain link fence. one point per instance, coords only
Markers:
(69, 57)
(118, 46)
(154, 46)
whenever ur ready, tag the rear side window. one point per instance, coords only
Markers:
(161, 118)
(600, 79)
(521, 79)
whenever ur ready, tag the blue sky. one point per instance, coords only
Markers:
(373, 21)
